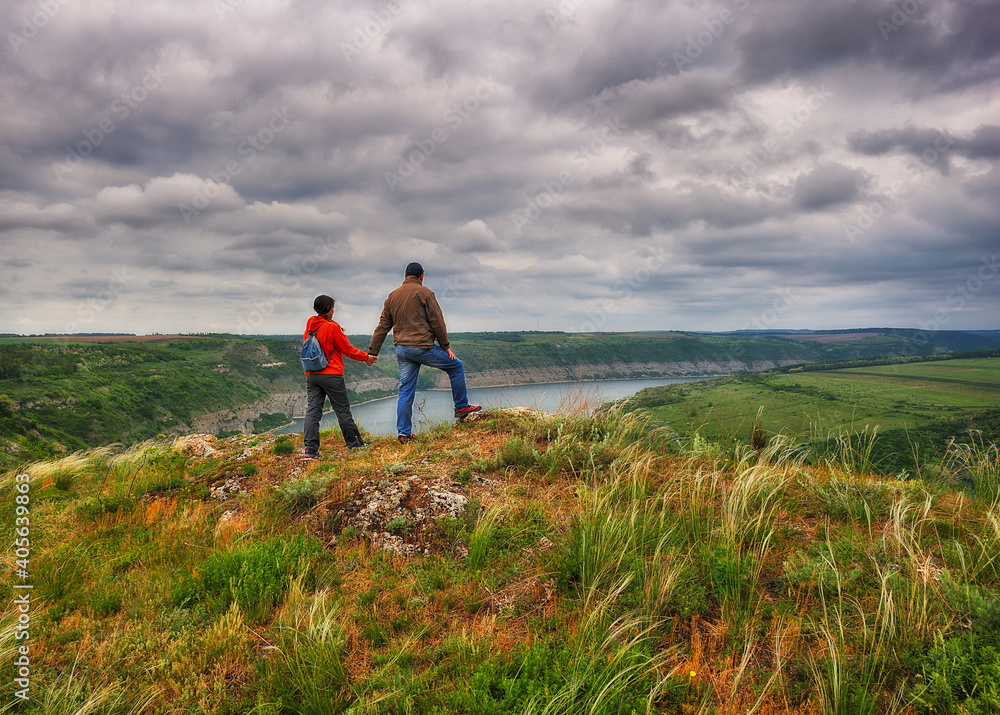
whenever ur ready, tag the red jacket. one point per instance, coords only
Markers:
(334, 342)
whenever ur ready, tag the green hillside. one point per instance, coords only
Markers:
(516, 564)
(57, 395)
(917, 407)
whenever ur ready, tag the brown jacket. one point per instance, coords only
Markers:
(413, 315)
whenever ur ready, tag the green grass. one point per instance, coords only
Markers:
(889, 396)
(915, 407)
(599, 568)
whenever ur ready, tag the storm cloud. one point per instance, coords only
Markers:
(193, 166)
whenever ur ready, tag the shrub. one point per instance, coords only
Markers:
(515, 452)
(303, 493)
(283, 445)
(254, 576)
(962, 672)
(399, 526)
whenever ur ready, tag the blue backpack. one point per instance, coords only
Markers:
(313, 357)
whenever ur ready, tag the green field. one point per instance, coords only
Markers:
(914, 405)
(888, 396)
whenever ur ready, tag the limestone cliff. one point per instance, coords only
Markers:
(294, 403)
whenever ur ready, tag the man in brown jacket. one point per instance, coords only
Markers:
(413, 315)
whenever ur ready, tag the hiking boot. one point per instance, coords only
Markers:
(467, 410)
(309, 455)
(360, 446)
(406, 438)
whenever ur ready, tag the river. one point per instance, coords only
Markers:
(378, 417)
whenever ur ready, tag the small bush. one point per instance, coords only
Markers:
(350, 533)
(254, 576)
(515, 452)
(167, 486)
(399, 526)
(283, 445)
(304, 493)
(105, 603)
(93, 508)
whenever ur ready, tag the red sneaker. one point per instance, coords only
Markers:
(467, 410)
(406, 438)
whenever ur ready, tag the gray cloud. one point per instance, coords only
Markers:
(828, 185)
(203, 166)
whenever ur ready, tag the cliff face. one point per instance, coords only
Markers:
(294, 403)
(241, 419)
(612, 371)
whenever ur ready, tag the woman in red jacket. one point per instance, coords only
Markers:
(329, 382)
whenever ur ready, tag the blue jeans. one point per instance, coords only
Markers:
(410, 359)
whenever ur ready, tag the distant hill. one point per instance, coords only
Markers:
(70, 392)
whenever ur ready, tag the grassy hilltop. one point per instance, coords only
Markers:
(518, 563)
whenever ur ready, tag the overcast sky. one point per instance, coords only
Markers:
(212, 165)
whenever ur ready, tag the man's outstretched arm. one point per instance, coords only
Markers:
(381, 330)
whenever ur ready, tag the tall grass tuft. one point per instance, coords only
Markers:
(750, 504)
(307, 673)
(615, 665)
(482, 536)
(72, 695)
(975, 465)
(854, 669)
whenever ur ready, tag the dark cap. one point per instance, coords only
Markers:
(413, 269)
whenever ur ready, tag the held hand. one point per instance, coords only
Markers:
(372, 359)
(451, 354)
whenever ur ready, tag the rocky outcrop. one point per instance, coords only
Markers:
(241, 418)
(385, 384)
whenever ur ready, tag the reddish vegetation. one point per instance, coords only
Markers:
(831, 337)
(116, 338)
